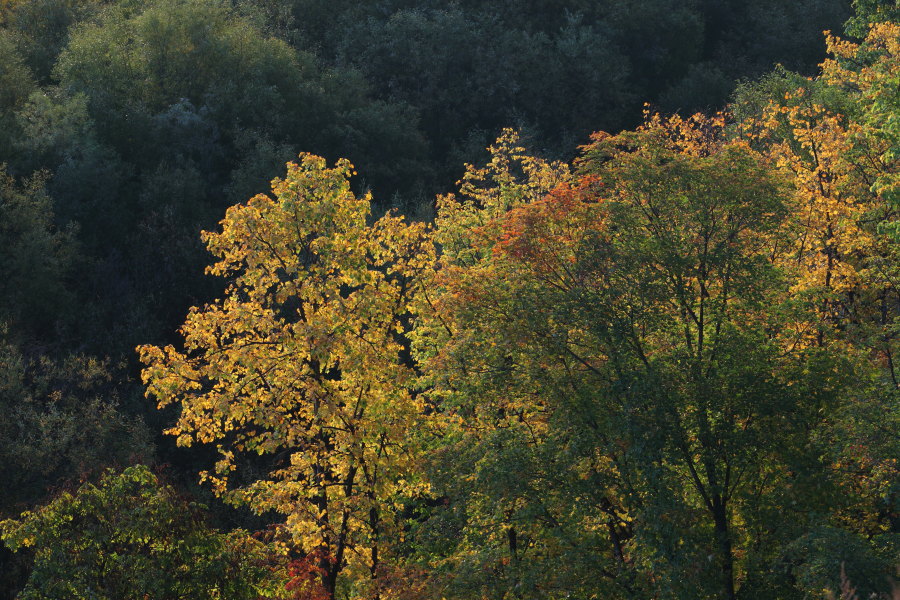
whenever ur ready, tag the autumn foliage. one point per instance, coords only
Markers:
(665, 369)
(302, 360)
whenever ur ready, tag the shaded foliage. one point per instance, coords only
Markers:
(128, 536)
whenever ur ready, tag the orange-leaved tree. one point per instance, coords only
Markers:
(303, 360)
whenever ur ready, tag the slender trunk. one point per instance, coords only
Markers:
(723, 539)
(329, 581)
(374, 522)
(616, 542)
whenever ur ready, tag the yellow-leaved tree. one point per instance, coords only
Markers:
(303, 360)
(837, 140)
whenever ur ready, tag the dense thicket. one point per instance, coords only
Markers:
(150, 118)
(659, 364)
(557, 70)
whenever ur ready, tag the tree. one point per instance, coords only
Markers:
(43, 26)
(62, 421)
(17, 83)
(870, 72)
(868, 12)
(217, 106)
(837, 141)
(302, 360)
(194, 78)
(622, 328)
(38, 259)
(130, 537)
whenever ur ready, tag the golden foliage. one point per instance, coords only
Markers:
(302, 359)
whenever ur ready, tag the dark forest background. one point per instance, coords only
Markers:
(131, 126)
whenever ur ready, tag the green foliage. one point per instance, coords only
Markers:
(614, 378)
(469, 71)
(16, 83)
(145, 61)
(62, 420)
(44, 27)
(88, 176)
(157, 115)
(38, 258)
(131, 537)
(472, 68)
(867, 12)
(748, 39)
(871, 71)
(661, 38)
(193, 76)
(820, 559)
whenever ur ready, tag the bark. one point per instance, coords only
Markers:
(726, 556)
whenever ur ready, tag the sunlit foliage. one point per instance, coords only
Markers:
(303, 359)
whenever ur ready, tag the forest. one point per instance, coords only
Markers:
(424, 300)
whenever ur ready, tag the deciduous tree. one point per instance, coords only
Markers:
(624, 328)
(130, 537)
(303, 360)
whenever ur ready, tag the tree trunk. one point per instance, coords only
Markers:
(329, 581)
(723, 539)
